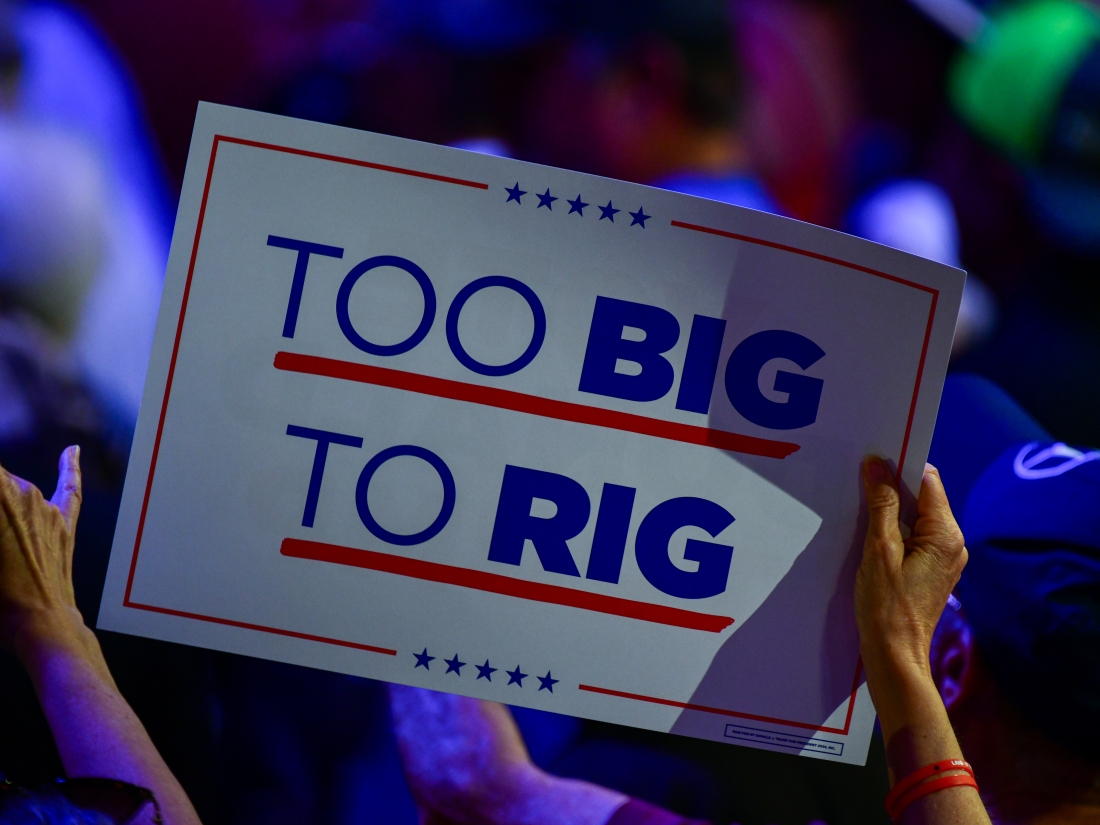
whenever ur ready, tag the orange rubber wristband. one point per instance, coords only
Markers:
(927, 772)
(930, 787)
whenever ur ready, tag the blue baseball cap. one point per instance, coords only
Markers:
(977, 422)
(1030, 511)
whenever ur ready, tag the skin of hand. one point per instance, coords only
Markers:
(96, 732)
(901, 589)
(903, 584)
(36, 554)
(465, 762)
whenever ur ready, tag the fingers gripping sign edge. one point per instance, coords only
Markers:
(883, 503)
(933, 505)
(932, 501)
(68, 495)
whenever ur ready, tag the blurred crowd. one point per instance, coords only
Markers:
(922, 126)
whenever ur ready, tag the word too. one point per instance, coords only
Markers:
(608, 344)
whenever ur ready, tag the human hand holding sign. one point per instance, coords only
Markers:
(96, 732)
(37, 603)
(902, 587)
(903, 583)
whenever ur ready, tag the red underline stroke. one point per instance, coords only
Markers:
(531, 404)
(503, 585)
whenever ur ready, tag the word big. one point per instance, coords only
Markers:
(607, 345)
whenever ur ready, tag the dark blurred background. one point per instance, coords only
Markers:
(970, 137)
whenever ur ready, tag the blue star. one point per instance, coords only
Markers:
(515, 193)
(485, 672)
(608, 212)
(516, 677)
(454, 666)
(545, 199)
(548, 682)
(577, 206)
(422, 659)
(639, 217)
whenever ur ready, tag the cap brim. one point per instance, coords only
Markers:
(977, 422)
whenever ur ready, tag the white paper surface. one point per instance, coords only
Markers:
(215, 545)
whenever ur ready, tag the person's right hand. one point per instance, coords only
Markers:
(36, 555)
(903, 585)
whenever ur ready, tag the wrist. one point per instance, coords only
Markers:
(897, 660)
(915, 727)
(899, 667)
(903, 691)
(36, 635)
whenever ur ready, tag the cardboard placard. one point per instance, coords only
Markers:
(521, 433)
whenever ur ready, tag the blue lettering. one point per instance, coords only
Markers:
(304, 249)
(803, 391)
(652, 551)
(700, 364)
(537, 312)
(606, 346)
(609, 540)
(320, 455)
(344, 295)
(514, 522)
(445, 511)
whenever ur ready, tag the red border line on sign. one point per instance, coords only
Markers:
(805, 253)
(366, 164)
(294, 634)
(503, 585)
(532, 404)
(128, 602)
(171, 374)
(920, 373)
(737, 714)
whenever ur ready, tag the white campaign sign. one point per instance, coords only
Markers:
(521, 433)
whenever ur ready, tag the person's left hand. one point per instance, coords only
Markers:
(36, 555)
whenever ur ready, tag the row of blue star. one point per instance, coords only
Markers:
(485, 671)
(577, 205)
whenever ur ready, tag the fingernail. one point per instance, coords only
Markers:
(876, 471)
(76, 452)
